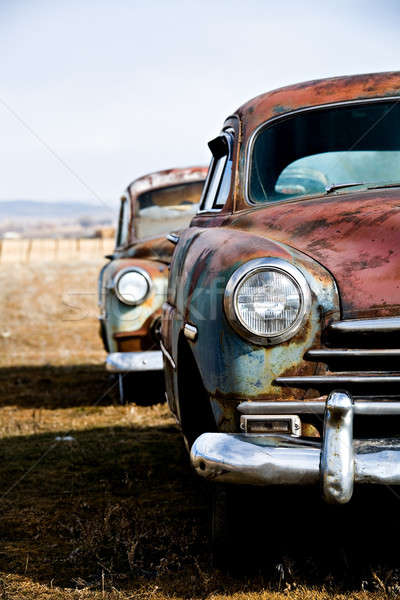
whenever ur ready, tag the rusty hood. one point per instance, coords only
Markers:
(356, 236)
(155, 248)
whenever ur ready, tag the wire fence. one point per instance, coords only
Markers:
(25, 251)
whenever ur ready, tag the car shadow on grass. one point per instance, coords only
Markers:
(120, 505)
(54, 387)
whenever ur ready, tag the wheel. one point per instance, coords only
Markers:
(247, 526)
(144, 389)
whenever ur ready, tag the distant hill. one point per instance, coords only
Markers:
(33, 218)
(35, 209)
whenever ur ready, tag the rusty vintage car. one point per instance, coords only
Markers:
(281, 330)
(132, 286)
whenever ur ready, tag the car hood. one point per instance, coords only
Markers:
(356, 236)
(155, 248)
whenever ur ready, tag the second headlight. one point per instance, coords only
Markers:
(267, 300)
(132, 285)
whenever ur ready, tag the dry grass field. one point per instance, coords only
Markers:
(98, 500)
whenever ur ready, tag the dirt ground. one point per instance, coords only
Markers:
(97, 500)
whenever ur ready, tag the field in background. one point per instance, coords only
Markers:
(54, 250)
(98, 500)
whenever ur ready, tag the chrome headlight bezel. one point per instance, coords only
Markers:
(123, 272)
(266, 264)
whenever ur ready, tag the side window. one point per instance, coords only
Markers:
(217, 185)
(123, 223)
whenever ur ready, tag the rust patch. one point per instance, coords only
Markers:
(354, 235)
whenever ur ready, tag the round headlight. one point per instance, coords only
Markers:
(132, 286)
(267, 300)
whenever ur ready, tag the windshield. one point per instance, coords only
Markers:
(308, 152)
(167, 209)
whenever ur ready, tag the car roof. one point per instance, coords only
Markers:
(318, 92)
(166, 177)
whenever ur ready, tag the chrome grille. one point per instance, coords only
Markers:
(360, 356)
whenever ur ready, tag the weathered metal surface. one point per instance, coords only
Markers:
(136, 321)
(232, 368)
(160, 179)
(316, 93)
(345, 244)
(354, 235)
(130, 328)
(158, 249)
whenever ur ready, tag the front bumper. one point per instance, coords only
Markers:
(125, 362)
(337, 462)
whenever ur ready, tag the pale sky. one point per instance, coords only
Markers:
(121, 88)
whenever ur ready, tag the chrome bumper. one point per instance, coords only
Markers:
(337, 462)
(123, 362)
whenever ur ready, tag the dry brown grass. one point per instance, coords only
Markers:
(98, 500)
(48, 314)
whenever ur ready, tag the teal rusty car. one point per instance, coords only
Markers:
(280, 331)
(133, 284)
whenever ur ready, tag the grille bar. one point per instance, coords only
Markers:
(338, 380)
(367, 326)
(321, 354)
(361, 407)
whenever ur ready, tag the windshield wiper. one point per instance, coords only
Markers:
(338, 186)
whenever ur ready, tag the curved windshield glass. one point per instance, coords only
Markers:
(316, 150)
(166, 209)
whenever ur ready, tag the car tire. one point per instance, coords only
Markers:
(241, 528)
(143, 389)
(224, 535)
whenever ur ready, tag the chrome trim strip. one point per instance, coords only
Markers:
(173, 238)
(167, 355)
(337, 456)
(275, 408)
(383, 325)
(304, 407)
(246, 270)
(125, 362)
(286, 115)
(342, 379)
(190, 332)
(350, 353)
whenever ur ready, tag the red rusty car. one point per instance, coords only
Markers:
(281, 329)
(132, 287)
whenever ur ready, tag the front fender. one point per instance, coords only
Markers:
(232, 368)
(122, 321)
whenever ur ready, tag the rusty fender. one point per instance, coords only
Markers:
(123, 319)
(232, 368)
